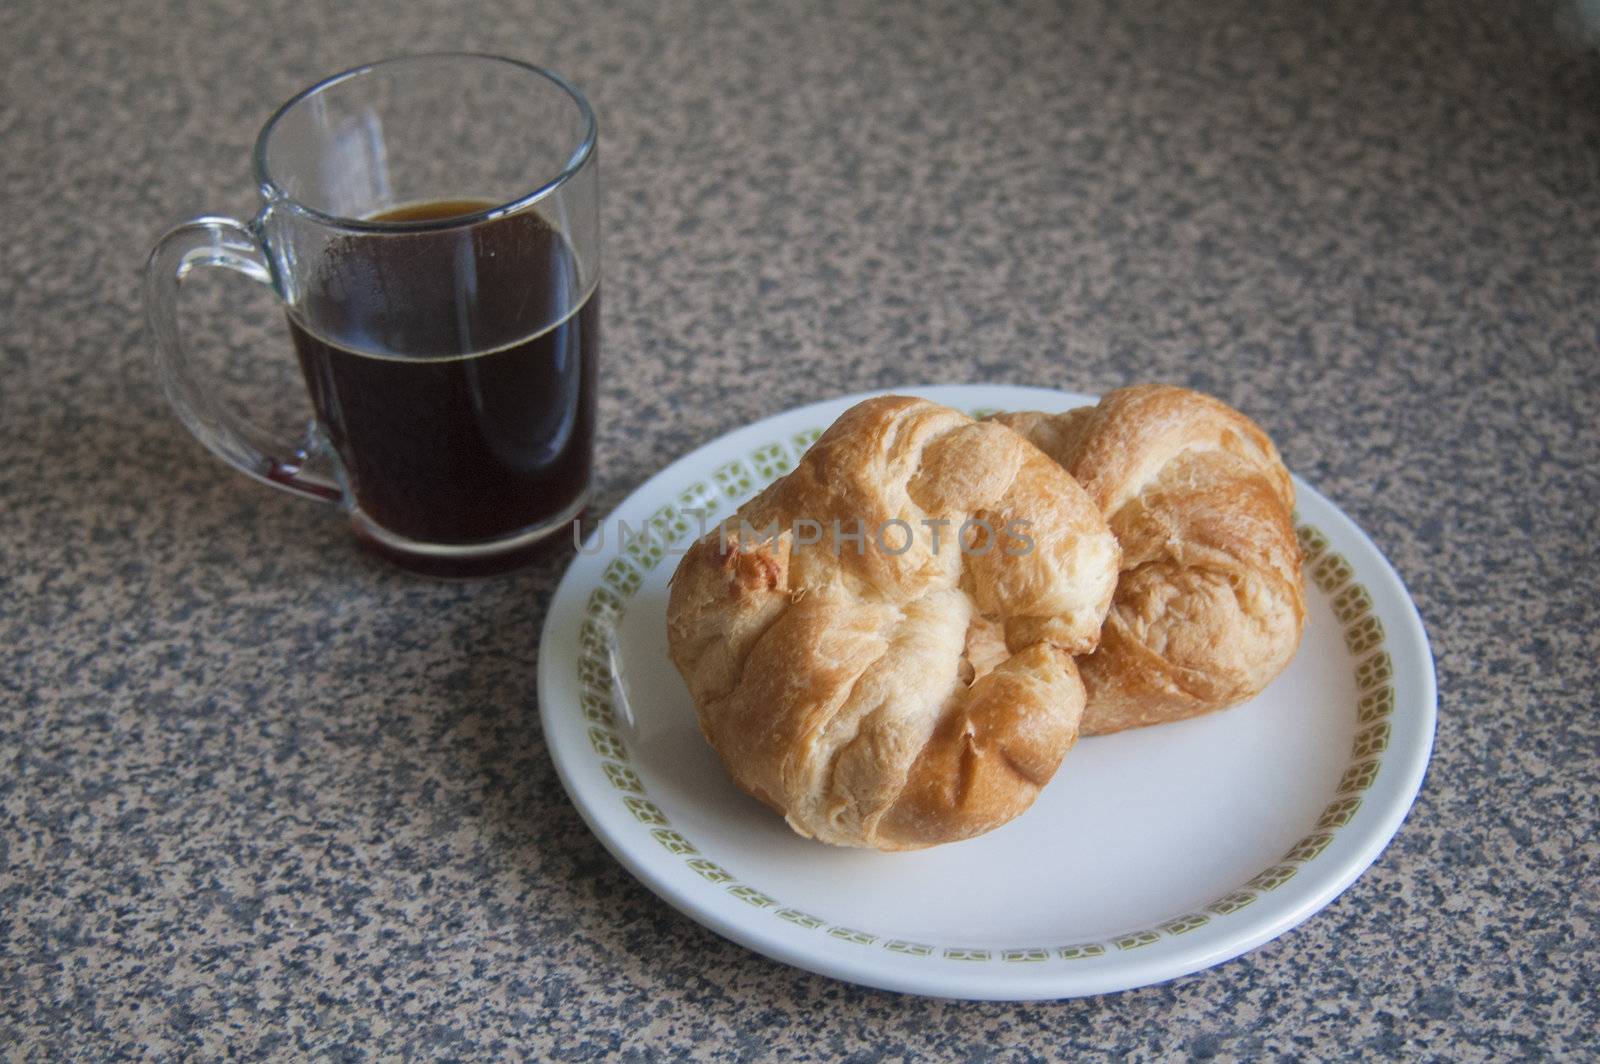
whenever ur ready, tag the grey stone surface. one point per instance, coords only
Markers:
(260, 795)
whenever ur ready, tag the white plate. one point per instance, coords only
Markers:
(1152, 853)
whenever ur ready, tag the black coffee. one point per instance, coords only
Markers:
(454, 371)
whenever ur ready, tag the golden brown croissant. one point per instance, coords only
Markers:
(906, 692)
(1211, 600)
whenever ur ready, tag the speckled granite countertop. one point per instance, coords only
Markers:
(262, 795)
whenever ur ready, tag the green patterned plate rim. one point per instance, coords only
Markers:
(587, 716)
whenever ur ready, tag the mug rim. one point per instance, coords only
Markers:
(273, 193)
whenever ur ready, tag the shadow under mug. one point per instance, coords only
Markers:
(431, 226)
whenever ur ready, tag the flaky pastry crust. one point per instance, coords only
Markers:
(896, 698)
(1210, 604)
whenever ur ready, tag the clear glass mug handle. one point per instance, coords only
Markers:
(230, 245)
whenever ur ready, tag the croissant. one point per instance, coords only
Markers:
(916, 686)
(1211, 599)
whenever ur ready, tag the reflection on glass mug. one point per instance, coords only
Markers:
(431, 225)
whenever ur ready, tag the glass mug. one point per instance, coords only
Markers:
(431, 226)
